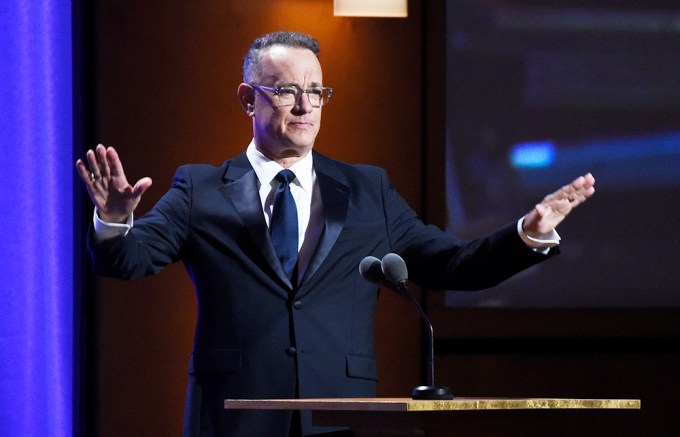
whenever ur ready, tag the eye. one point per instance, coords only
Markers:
(287, 91)
(316, 91)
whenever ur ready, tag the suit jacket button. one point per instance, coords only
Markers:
(297, 304)
(291, 351)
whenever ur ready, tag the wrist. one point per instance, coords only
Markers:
(112, 218)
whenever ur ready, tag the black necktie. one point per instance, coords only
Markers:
(284, 222)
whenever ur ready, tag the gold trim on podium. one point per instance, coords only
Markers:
(406, 404)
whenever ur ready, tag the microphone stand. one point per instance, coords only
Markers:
(429, 391)
(392, 273)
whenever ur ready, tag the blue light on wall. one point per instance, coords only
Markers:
(639, 161)
(36, 195)
(532, 154)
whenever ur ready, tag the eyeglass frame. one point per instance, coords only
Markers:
(276, 90)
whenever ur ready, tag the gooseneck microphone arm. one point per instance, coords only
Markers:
(429, 359)
(395, 271)
(392, 273)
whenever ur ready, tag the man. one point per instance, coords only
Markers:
(276, 324)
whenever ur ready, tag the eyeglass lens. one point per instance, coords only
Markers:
(289, 95)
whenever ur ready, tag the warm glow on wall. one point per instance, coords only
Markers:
(370, 8)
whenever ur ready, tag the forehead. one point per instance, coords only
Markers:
(280, 63)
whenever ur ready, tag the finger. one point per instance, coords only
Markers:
(93, 190)
(584, 183)
(115, 165)
(84, 172)
(100, 152)
(580, 189)
(589, 185)
(568, 193)
(589, 180)
(94, 172)
(584, 187)
(574, 187)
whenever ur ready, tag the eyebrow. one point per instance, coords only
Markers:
(313, 84)
(274, 78)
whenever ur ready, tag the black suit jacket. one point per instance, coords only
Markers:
(257, 335)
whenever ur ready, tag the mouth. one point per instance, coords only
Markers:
(300, 124)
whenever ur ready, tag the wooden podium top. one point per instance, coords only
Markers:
(407, 404)
(405, 417)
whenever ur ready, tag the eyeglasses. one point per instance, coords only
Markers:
(288, 95)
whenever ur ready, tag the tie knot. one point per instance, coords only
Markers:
(286, 176)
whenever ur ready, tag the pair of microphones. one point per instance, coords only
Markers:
(391, 272)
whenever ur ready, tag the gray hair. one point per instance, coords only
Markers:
(252, 62)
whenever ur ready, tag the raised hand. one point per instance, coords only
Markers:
(556, 207)
(112, 195)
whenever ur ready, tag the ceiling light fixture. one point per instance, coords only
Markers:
(370, 8)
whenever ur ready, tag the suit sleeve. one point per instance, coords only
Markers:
(439, 260)
(154, 241)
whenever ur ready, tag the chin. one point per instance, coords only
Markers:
(301, 144)
(301, 150)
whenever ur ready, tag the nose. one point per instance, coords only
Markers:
(302, 105)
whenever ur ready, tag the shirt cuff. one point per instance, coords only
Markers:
(106, 231)
(541, 243)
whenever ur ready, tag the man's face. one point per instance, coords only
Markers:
(286, 131)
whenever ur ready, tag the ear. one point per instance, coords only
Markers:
(246, 96)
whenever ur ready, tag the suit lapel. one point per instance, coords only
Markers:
(241, 187)
(335, 197)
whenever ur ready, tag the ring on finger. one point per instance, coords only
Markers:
(95, 176)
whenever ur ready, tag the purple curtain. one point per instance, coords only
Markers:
(37, 218)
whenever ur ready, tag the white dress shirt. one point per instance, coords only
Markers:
(305, 192)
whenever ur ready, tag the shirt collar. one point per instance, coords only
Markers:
(266, 169)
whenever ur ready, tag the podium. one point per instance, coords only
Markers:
(407, 417)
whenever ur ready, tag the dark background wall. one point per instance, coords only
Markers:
(165, 76)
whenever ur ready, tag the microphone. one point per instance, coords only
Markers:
(395, 271)
(371, 269)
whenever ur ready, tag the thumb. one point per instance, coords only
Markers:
(542, 210)
(534, 217)
(141, 186)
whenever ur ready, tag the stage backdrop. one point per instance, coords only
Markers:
(536, 98)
